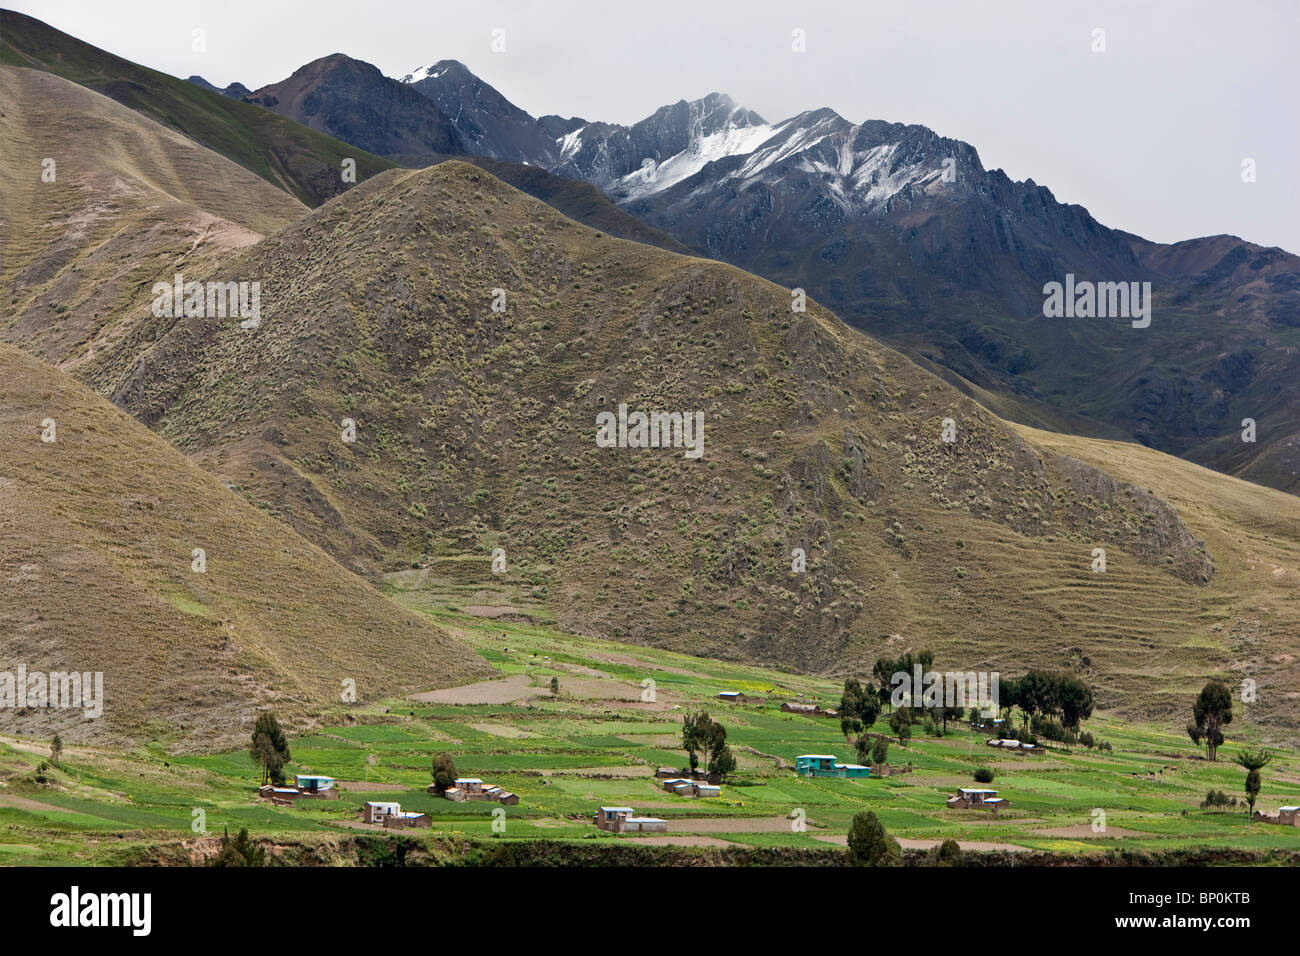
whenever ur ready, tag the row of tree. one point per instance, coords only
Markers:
(1057, 695)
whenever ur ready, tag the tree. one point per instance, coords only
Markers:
(900, 721)
(870, 845)
(879, 750)
(1212, 712)
(700, 732)
(444, 772)
(241, 851)
(1254, 761)
(949, 853)
(1008, 697)
(1075, 698)
(56, 750)
(983, 774)
(722, 761)
(1036, 693)
(270, 748)
(860, 704)
(555, 686)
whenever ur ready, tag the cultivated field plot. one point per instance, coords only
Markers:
(576, 752)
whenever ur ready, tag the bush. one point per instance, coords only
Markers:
(870, 845)
(984, 775)
(1217, 798)
(948, 853)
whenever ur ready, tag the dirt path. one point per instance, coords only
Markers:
(503, 690)
(23, 803)
(681, 841)
(735, 825)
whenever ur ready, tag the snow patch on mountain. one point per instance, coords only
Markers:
(730, 141)
(431, 72)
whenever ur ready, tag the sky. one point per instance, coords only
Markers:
(1150, 135)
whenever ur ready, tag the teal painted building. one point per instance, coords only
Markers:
(825, 765)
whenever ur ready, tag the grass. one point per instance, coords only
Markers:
(581, 752)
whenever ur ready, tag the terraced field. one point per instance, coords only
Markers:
(598, 742)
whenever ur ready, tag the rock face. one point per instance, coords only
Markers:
(488, 123)
(907, 236)
(352, 100)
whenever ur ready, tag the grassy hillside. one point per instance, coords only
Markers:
(100, 527)
(597, 743)
(301, 161)
(130, 203)
(476, 430)
(575, 198)
(1247, 622)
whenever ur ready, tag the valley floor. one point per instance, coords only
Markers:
(599, 741)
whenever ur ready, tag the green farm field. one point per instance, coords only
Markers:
(598, 742)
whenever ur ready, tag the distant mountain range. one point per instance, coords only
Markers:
(907, 236)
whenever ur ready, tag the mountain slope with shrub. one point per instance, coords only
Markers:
(110, 203)
(475, 430)
(101, 524)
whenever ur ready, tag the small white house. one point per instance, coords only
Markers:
(376, 810)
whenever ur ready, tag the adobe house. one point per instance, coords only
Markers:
(825, 765)
(808, 710)
(472, 788)
(376, 810)
(975, 798)
(405, 819)
(316, 786)
(621, 820)
(279, 796)
(1285, 816)
(732, 697)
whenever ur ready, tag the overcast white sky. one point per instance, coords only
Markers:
(1149, 135)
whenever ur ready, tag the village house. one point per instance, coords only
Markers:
(808, 710)
(386, 813)
(472, 788)
(376, 810)
(732, 697)
(279, 796)
(1285, 816)
(316, 786)
(825, 765)
(691, 788)
(405, 819)
(973, 797)
(621, 820)
(310, 786)
(1010, 743)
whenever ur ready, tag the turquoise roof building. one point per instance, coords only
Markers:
(825, 765)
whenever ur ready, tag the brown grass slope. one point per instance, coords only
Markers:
(476, 430)
(1247, 623)
(302, 161)
(132, 203)
(99, 528)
